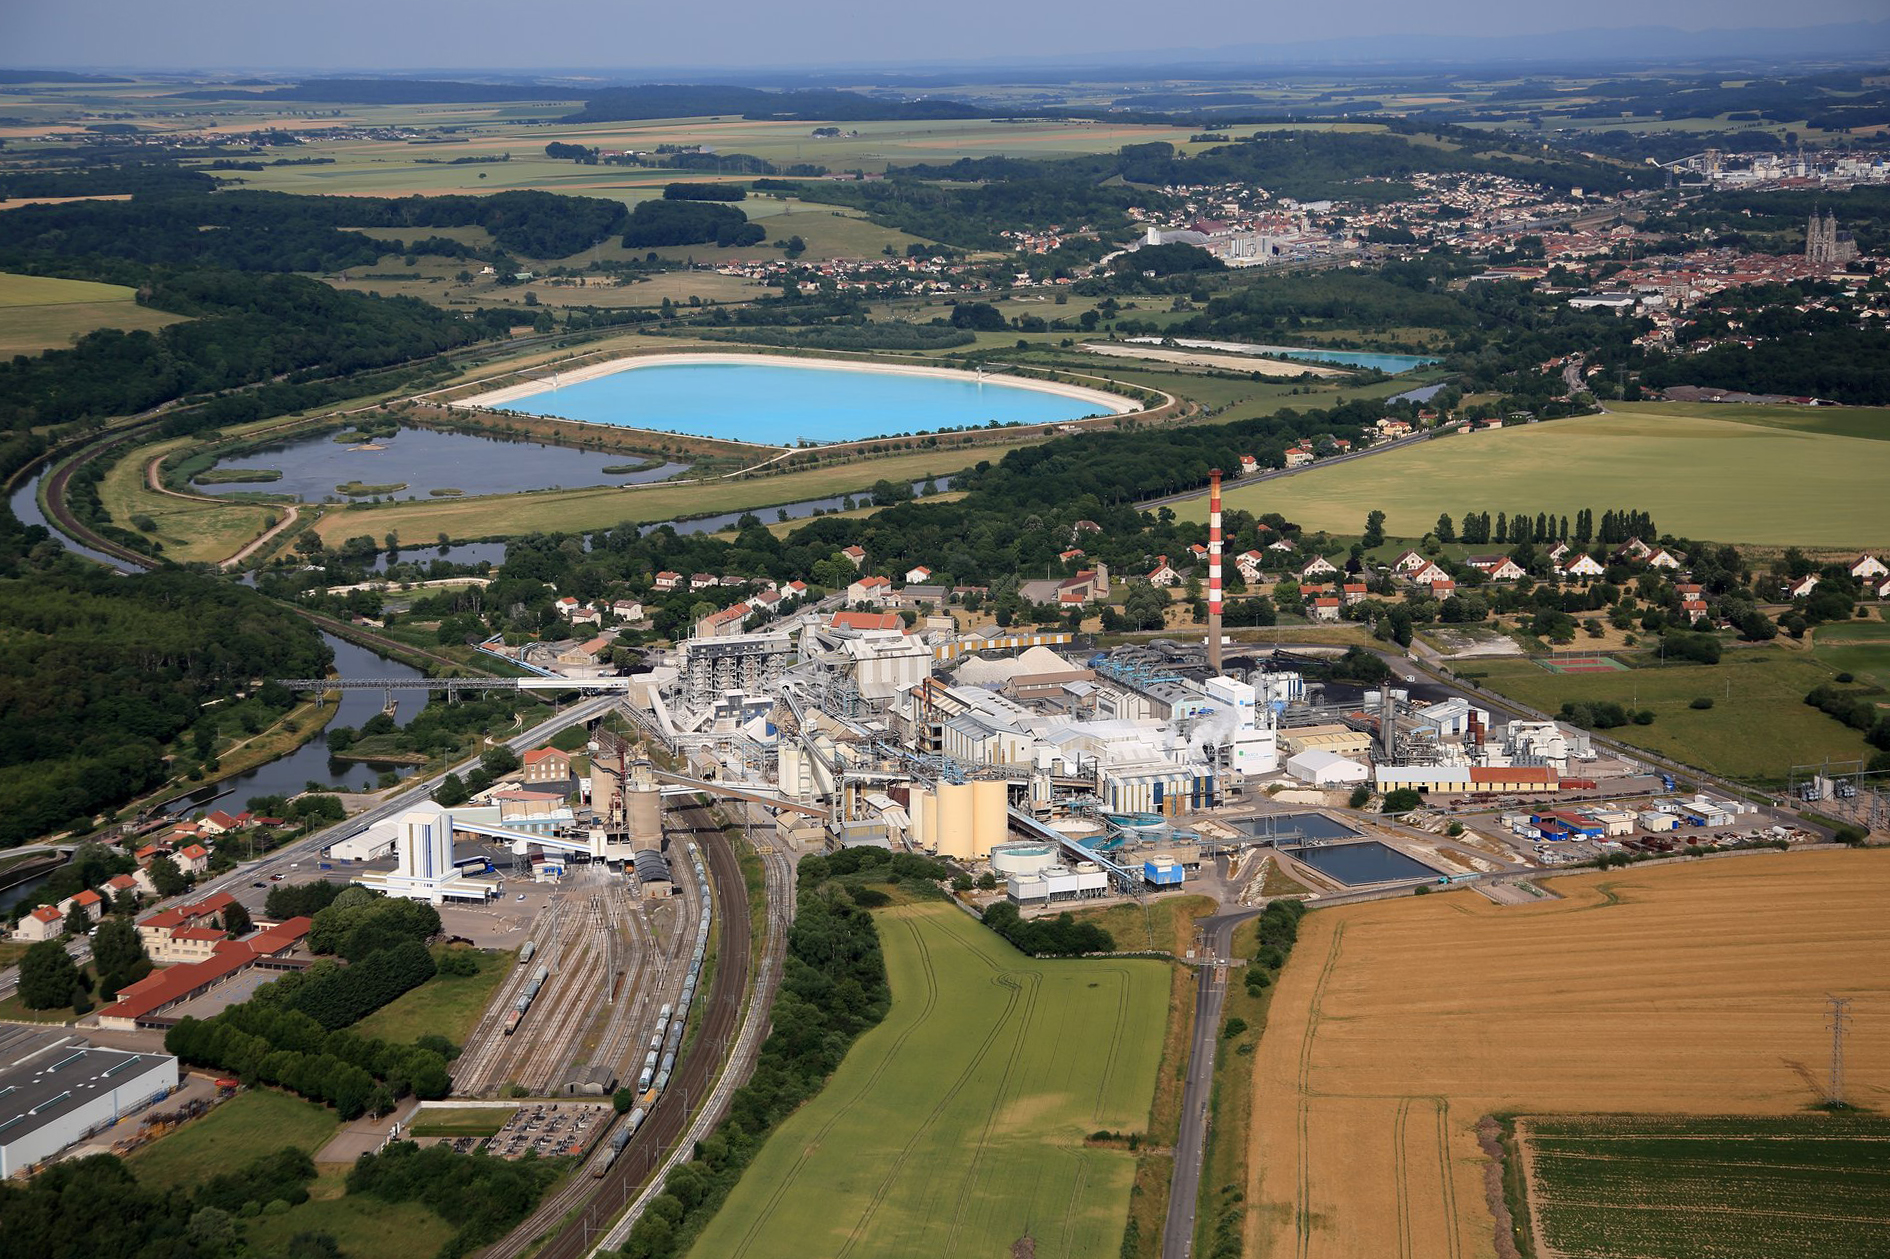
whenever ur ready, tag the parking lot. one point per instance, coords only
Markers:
(548, 1128)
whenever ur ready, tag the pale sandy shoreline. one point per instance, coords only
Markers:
(1109, 403)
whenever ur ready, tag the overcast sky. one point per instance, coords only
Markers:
(629, 36)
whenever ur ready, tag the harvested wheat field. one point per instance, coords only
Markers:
(1691, 989)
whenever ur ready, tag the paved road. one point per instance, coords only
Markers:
(1184, 1190)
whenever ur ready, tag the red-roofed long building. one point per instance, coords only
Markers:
(144, 1003)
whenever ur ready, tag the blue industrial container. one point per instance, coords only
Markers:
(1162, 875)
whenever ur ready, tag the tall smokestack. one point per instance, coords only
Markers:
(1214, 572)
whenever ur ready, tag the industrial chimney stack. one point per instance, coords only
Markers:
(1214, 572)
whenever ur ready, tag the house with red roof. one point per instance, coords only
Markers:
(186, 933)
(1497, 567)
(861, 621)
(1443, 589)
(857, 554)
(704, 581)
(919, 574)
(1583, 565)
(192, 859)
(1325, 608)
(1163, 574)
(44, 923)
(546, 765)
(872, 590)
(221, 823)
(144, 1003)
(667, 580)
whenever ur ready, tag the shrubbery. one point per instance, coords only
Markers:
(484, 1196)
(1061, 936)
(337, 996)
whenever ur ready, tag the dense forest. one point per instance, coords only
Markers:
(100, 673)
(687, 222)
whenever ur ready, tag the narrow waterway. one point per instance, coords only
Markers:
(25, 505)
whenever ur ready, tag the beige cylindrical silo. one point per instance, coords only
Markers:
(955, 832)
(643, 812)
(991, 823)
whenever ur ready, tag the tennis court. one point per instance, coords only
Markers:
(1585, 663)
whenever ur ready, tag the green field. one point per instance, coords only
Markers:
(1757, 728)
(447, 1004)
(1709, 1188)
(1729, 481)
(957, 1126)
(1860, 648)
(455, 1122)
(42, 313)
(365, 1227)
(246, 1127)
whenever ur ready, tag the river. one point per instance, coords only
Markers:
(25, 505)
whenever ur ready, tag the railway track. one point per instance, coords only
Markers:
(587, 1204)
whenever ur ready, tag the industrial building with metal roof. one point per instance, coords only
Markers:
(55, 1090)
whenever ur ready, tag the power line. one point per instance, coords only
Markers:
(1837, 1017)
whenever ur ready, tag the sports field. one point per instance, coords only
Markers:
(42, 313)
(1723, 1188)
(957, 1126)
(1725, 480)
(1689, 989)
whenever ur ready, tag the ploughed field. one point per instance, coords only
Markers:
(958, 1125)
(1689, 989)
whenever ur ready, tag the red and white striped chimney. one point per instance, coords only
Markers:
(1214, 572)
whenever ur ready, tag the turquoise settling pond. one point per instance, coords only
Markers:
(780, 405)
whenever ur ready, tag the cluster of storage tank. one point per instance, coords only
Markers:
(666, 1040)
(610, 1153)
(524, 1002)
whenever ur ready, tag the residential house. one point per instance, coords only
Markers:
(1082, 527)
(546, 765)
(1634, 550)
(119, 884)
(919, 574)
(857, 554)
(93, 904)
(589, 654)
(1317, 566)
(1309, 590)
(188, 933)
(1249, 465)
(1663, 558)
(795, 590)
(667, 580)
(1802, 587)
(1883, 589)
(725, 623)
(1408, 562)
(1299, 456)
(1431, 573)
(1557, 551)
(873, 590)
(627, 610)
(1249, 562)
(1864, 567)
(44, 923)
(1391, 429)
(704, 581)
(566, 606)
(1497, 567)
(765, 601)
(194, 859)
(221, 823)
(1443, 589)
(1584, 565)
(591, 615)
(1324, 609)
(1197, 552)
(1353, 592)
(1693, 608)
(1070, 556)
(1163, 574)
(733, 579)
(1280, 544)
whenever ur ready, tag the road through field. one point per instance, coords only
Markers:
(1695, 989)
(958, 1125)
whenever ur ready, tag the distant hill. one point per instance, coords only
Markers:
(391, 92)
(55, 76)
(668, 100)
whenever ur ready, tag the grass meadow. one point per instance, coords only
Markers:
(1757, 728)
(1695, 988)
(248, 1126)
(1725, 480)
(42, 313)
(447, 1004)
(1717, 1188)
(958, 1125)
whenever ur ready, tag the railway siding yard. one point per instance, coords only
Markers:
(1684, 990)
(959, 1125)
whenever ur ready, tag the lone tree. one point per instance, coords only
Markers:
(166, 878)
(47, 976)
(236, 922)
(120, 955)
(78, 921)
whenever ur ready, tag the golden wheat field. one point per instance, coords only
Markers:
(1694, 989)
